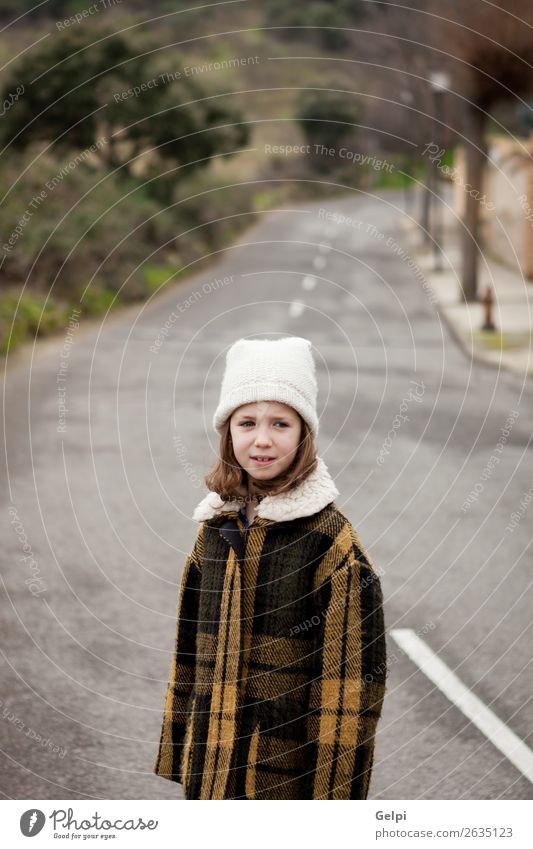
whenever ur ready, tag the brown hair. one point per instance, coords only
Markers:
(230, 480)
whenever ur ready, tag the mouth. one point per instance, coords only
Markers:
(261, 460)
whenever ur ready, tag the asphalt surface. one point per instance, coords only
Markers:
(104, 507)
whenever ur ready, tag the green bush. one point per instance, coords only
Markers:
(86, 220)
(219, 211)
(330, 17)
(327, 118)
(26, 316)
(156, 276)
(98, 300)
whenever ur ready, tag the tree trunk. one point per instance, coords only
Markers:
(474, 122)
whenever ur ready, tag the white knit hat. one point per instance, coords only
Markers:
(269, 370)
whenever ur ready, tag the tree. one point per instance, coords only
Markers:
(92, 86)
(487, 50)
(408, 41)
(492, 45)
(56, 9)
(62, 83)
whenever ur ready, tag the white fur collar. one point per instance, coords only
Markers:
(305, 499)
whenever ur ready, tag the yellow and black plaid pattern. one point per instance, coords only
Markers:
(278, 675)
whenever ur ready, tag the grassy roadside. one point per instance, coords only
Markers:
(26, 313)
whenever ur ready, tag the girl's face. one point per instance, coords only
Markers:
(265, 429)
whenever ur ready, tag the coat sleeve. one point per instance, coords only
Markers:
(182, 671)
(348, 684)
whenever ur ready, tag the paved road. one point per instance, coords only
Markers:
(104, 507)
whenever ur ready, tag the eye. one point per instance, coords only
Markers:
(242, 424)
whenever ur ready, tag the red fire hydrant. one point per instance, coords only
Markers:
(487, 300)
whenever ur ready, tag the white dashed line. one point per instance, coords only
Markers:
(296, 309)
(514, 749)
(309, 282)
(319, 262)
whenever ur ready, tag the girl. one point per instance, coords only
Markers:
(278, 674)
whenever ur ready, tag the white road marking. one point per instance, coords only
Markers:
(296, 309)
(309, 282)
(324, 248)
(319, 262)
(514, 749)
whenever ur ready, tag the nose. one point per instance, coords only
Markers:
(262, 438)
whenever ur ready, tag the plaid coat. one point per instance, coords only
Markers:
(278, 671)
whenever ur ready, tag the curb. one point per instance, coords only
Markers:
(472, 350)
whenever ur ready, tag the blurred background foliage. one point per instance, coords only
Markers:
(140, 187)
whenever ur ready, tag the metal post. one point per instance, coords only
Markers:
(439, 82)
